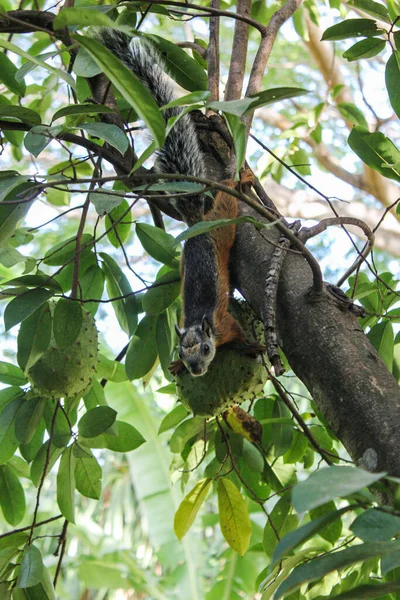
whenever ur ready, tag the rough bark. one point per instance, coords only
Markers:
(328, 351)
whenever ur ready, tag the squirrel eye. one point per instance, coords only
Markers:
(206, 349)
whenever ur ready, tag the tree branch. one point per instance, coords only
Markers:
(237, 67)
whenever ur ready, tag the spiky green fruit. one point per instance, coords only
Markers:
(231, 378)
(66, 373)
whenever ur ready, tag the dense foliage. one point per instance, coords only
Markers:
(109, 487)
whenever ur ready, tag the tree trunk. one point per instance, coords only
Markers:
(328, 351)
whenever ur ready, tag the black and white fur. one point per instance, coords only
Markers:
(181, 152)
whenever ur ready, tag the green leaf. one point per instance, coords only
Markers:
(317, 568)
(392, 79)
(120, 230)
(165, 336)
(365, 49)
(92, 286)
(182, 67)
(374, 525)
(301, 161)
(332, 531)
(126, 309)
(88, 476)
(31, 567)
(241, 107)
(128, 85)
(84, 16)
(205, 226)
(110, 370)
(304, 533)
(61, 427)
(25, 115)
(157, 243)
(351, 113)
(85, 66)
(376, 150)
(233, 516)
(36, 61)
(8, 440)
(238, 132)
(351, 28)
(40, 461)
(30, 450)
(28, 418)
(111, 134)
(67, 322)
(23, 306)
(66, 484)
(375, 9)
(162, 293)
(381, 337)
(80, 109)
(65, 251)
(96, 421)
(13, 189)
(172, 419)
(127, 439)
(11, 375)
(104, 201)
(7, 76)
(44, 590)
(8, 394)
(297, 448)
(39, 279)
(329, 483)
(372, 590)
(189, 507)
(283, 521)
(12, 497)
(142, 351)
(282, 432)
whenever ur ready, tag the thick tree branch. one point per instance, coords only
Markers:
(328, 351)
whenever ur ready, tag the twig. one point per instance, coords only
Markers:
(62, 541)
(28, 527)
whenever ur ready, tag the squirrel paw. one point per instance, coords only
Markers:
(176, 367)
(246, 176)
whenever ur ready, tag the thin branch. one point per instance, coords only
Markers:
(213, 54)
(264, 51)
(29, 527)
(62, 541)
(237, 68)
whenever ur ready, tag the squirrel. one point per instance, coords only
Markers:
(206, 323)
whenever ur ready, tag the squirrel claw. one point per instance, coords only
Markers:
(176, 367)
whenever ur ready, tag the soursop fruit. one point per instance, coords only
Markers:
(231, 378)
(67, 372)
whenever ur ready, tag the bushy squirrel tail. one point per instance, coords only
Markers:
(181, 152)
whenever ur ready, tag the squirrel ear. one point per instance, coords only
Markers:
(206, 327)
(179, 332)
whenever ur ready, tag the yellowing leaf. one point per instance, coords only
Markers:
(189, 507)
(233, 516)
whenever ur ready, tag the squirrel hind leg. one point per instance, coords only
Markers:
(176, 367)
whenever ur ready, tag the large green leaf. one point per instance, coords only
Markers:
(7, 75)
(119, 219)
(42, 458)
(375, 525)
(365, 49)
(8, 440)
(17, 190)
(294, 538)
(126, 308)
(66, 484)
(377, 151)
(12, 497)
(351, 28)
(113, 135)
(142, 351)
(375, 9)
(23, 306)
(190, 506)
(158, 244)
(89, 16)
(128, 85)
(25, 115)
(329, 483)
(80, 109)
(88, 476)
(127, 438)
(281, 522)
(233, 516)
(11, 374)
(392, 78)
(182, 67)
(319, 567)
(162, 293)
(96, 421)
(31, 567)
(28, 418)
(67, 322)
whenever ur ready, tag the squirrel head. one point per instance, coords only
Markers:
(197, 347)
